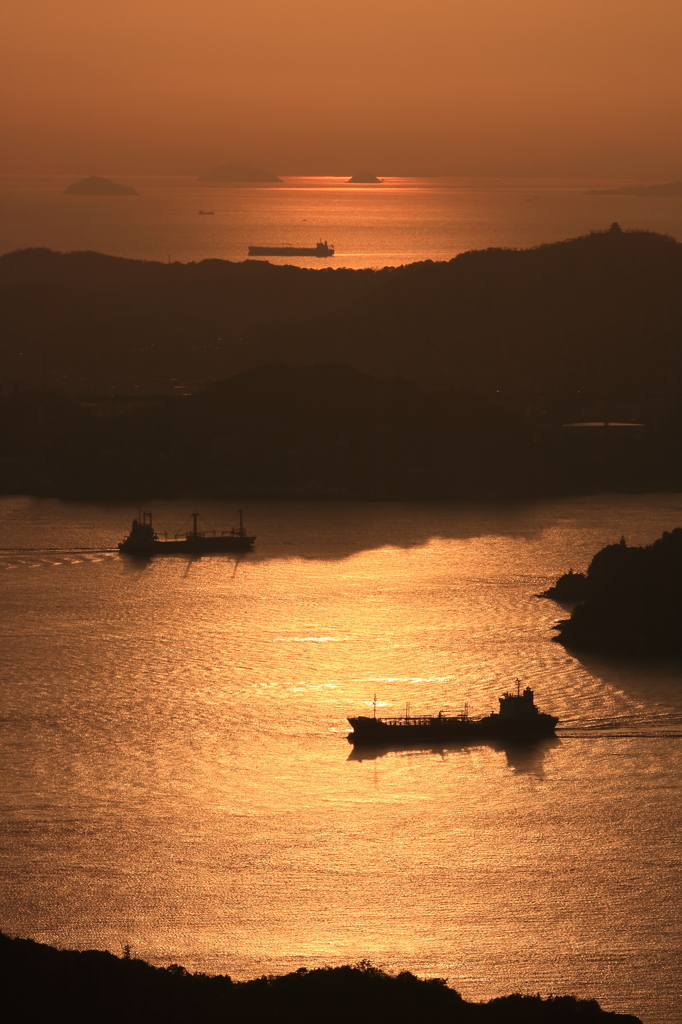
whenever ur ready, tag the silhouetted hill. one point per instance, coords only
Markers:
(313, 431)
(584, 330)
(631, 600)
(597, 313)
(235, 173)
(82, 322)
(601, 314)
(94, 186)
(274, 431)
(669, 190)
(40, 983)
(78, 270)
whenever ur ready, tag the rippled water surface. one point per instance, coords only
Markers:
(175, 772)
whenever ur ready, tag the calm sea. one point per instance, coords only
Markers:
(176, 774)
(399, 221)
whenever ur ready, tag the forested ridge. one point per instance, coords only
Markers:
(597, 314)
(321, 431)
(629, 601)
(125, 378)
(41, 983)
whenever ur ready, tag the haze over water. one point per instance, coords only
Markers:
(175, 773)
(403, 220)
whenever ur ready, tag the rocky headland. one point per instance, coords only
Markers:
(568, 589)
(629, 602)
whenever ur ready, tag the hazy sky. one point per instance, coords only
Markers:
(314, 86)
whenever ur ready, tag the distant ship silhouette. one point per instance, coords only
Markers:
(518, 718)
(321, 249)
(144, 541)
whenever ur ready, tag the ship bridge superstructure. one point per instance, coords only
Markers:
(518, 705)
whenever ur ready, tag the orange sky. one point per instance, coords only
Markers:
(312, 86)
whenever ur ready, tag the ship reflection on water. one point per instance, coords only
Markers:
(524, 757)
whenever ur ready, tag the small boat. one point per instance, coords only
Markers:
(206, 213)
(144, 541)
(321, 249)
(517, 719)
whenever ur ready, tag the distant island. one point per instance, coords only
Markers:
(41, 983)
(630, 600)
(94, 186)
(669, 190)
(364, 179)
(236, 173)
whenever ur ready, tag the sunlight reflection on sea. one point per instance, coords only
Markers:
(402, 220)
(176, 775)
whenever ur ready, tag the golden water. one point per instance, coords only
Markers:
(400, 221)
(175, 773)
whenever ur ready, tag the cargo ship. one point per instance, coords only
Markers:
(321, 249)
(143, 539)
(517, 719)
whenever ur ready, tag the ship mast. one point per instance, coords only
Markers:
(195, 516)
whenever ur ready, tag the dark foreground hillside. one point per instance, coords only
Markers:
(600, 314)
(630, 600)
(86, 323)
(535, 372)
(316, 432)
(40, 984)
(321, 431)
(588, 328)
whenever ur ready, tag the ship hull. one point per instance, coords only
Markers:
(287, 250)
(375, 732)
(187, 546)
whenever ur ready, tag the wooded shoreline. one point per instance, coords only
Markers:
(41, 983)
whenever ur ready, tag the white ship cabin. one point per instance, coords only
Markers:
(518, 705)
